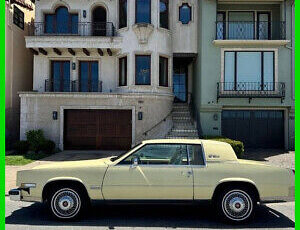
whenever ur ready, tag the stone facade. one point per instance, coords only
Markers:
(37, 110)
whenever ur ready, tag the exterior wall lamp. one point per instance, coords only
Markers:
(54, 115)
(140, 116)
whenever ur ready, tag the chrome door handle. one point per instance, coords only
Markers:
(187, 174)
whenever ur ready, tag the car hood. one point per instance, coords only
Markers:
(75, 164)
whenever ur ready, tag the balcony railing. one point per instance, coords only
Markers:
(250, 90)
(72, 86)
(250, 30)
(106, 29)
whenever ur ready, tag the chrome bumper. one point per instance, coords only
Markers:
(15, 194)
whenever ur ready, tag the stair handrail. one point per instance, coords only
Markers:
(157, 124)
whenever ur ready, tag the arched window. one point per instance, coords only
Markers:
(99, 22)
(61, 22)
(185, 13)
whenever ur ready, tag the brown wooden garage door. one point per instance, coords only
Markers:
(98, 129)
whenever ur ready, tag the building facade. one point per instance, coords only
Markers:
(103, 70)
(244, 87)
(108, 72)
(18, 64)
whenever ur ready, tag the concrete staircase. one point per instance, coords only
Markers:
(183, 126)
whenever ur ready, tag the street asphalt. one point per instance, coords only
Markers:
(27, 216)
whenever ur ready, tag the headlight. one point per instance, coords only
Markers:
(28, 185)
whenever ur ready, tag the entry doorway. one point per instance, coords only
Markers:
(180, 83)
(181, 78)
(99, 21)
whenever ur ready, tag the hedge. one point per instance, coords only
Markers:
(237, 146)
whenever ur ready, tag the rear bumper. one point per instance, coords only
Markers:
(278, 199)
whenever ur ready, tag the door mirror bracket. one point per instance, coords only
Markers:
(134, 162)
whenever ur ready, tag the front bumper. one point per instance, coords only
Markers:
(15, 194)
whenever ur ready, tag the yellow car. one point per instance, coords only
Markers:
(159, 171)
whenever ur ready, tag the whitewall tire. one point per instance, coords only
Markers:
(66, 203)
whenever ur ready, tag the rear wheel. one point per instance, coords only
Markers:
(236, 205)
(66, 202)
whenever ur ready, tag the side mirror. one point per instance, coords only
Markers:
(134, 162)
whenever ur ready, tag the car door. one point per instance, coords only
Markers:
(153, 172)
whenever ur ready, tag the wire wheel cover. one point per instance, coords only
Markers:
(237, 205)
(65, 203)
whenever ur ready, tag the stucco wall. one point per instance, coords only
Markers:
(18, 70)
(37, 109)
(161, 42)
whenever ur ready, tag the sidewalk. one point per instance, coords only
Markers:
(11, 171)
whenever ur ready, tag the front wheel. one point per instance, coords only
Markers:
(66, 203)
(236, 205)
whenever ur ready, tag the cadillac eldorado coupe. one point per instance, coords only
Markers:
(159, 171)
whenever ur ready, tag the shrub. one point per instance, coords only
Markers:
(35, 139)
(21, 147)
(47, 147)
(237, 146)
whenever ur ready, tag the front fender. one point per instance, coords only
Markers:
(64, 178)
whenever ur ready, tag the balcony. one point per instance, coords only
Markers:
(250, 32)
(82, 35)
(106, 29)
(250, 90)
(72, 86)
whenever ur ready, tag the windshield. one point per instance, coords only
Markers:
(123, 154)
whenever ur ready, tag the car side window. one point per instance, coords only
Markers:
(195, 154)
(159, 154)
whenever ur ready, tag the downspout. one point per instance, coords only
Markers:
(293, 48)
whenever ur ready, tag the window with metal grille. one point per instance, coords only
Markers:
(18, 18)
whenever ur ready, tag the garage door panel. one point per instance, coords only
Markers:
(256, 128)
(98, 129)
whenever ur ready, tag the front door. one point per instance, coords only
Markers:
(160, 172)
(180, 82)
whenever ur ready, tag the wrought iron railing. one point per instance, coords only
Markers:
(106, 29)
(250, 90)
(250, 30)
(72, 86)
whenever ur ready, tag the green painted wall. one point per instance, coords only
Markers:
(207, 70)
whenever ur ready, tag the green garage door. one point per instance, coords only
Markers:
(256, 128)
